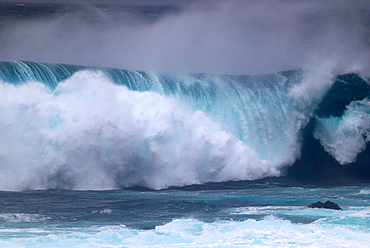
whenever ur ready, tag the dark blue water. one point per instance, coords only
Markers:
(179, 216)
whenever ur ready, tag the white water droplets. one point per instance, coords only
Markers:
(346, 136)
(92, 134)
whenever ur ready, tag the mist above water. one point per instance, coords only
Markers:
(236, 37)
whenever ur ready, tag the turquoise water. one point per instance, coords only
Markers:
(258, 215)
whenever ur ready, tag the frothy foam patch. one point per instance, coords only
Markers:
(193, 233)
(346, 136)
(362, 212)
(282, 211)
(264, 210)
(354, 217)
(105, 211)
(17, 217)
(92, 134)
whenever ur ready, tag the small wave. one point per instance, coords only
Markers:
(282, 211)
(364, 192)
(262, 210)
(105, 211)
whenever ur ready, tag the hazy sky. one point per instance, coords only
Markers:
(234, 37)
(125, 2)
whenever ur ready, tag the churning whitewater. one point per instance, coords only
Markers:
(74, 127)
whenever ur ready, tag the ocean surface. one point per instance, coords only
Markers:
(258, 214)
(96, 156)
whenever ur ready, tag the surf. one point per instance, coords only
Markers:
(76, 127)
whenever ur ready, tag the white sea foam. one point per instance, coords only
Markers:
(346, 136)
(264, 210)
(92, 134)
(270, 232)
(291, 211)
(19, 217)
(105, 211)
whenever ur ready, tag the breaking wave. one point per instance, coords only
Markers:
(74, 127)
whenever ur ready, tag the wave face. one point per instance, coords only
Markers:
(75, 127)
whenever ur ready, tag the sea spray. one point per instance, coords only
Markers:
(346, 136)
(92, 134)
